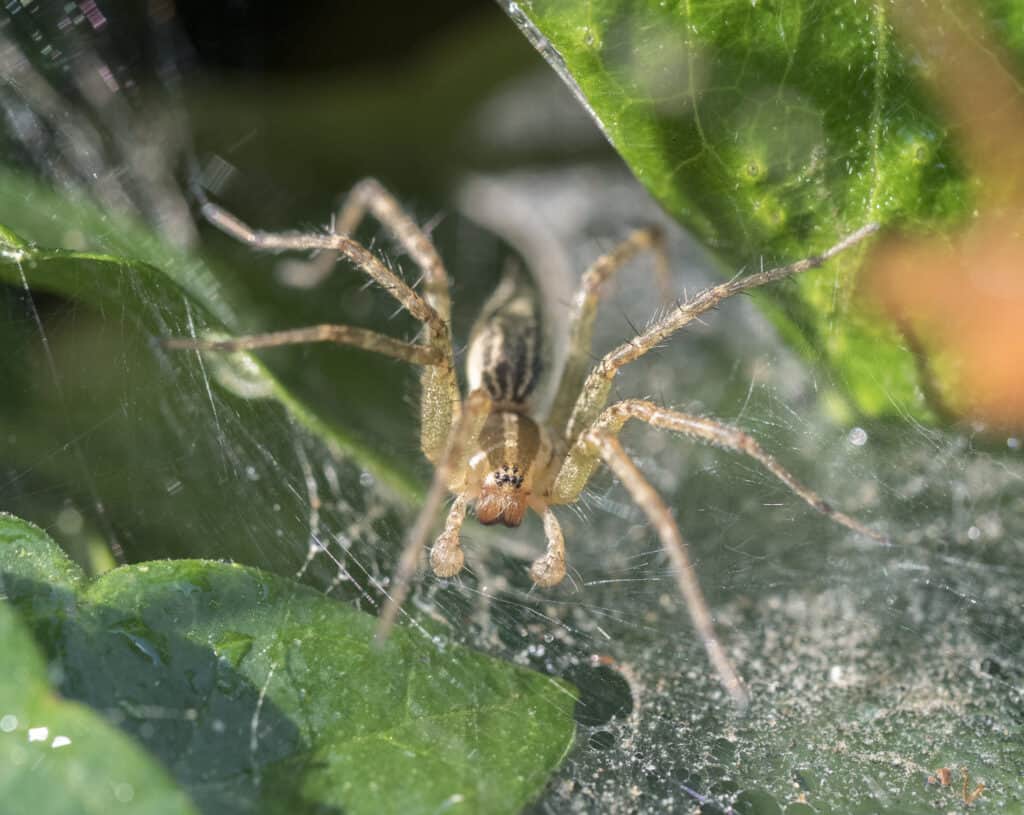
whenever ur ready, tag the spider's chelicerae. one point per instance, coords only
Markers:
(489, 449)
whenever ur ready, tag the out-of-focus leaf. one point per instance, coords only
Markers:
(98, 409)
(162, 292)
(771, 129)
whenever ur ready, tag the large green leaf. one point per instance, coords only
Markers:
(257, 694)
(772, 128)
(121, 402)
(57, 756)
(162, 290)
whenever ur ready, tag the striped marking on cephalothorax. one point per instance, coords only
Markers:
(510, 429)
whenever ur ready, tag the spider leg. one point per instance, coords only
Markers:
(446, 557)
(340, 334)
(439, 402)
(598, 384)
(549, 569)
(370, 195)
(449, 475)
(584, 311)
(610, 450)
(582, 458)
(343, 245)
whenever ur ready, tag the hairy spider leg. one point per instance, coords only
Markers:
(584, 311)
(449, 475)
(447, 431)
(439, 402)
(446, 557)
(598, 384)
(647, 498)
(600, 442)
(339, 334)
(369, 195)
(549, 569)
(592, 434)
(579, 464)
(440, 399)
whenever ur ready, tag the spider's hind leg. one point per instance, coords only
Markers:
(607, 446)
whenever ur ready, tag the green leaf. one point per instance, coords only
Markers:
(121, 402)
(258, 694)
(58, 756)
(771, 129)
(162, 291)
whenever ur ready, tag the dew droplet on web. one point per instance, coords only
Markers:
(858, 437)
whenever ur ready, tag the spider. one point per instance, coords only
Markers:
(490, 449)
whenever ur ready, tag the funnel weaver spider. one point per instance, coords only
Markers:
(488, 449)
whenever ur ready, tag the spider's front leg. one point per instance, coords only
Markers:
(581, 460)
(594, 394)
(369, 195)
(451, 474)
(601, 443)
(439, 401)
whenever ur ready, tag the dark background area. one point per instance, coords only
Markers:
(318, 37)
(389, 84)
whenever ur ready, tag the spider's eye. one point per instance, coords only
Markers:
(508, 477)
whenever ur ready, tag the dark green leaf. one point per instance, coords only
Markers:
(58, 756)
(162, 291)
(258, 694)
(121, 402)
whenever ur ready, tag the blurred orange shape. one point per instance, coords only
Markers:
(960, 303)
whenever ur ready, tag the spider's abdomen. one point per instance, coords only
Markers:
(505, 347)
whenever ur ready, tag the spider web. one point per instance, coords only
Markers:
(870, 666)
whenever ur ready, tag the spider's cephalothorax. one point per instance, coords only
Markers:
(513, 450)
(490, 448)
